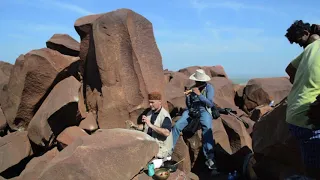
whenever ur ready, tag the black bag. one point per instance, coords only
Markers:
(194, 113)
(194, 122)
(192, 127)
(215, 112)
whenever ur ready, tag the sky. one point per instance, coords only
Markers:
(245, 37)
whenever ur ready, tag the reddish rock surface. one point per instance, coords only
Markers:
(114, 153)
(70, 134)
(11, 99)
(35, 167)
(273, 141)
(261, 91)
(32, 78)
(220, 135)
(181, 151)
(57, 112)
(3, 122)
(65, 44)
(119, 75)
(223, 89)
(5, 70)
(14, 148)
(83, 26)
(89, 123)
(259, 112)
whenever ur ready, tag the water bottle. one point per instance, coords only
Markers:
(150, 169)
(235, 175)
(230, 177)
(271, 103)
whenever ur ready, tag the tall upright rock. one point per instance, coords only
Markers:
(122, 64)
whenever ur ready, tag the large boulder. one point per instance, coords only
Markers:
(13, 149)
(261, 91)
(10, 100)
(69, 135)
(107, 154)
(181, 151)
(89, 124)
(56, 113)
(35, 167)
(122, 66)
(5, 70)
(273, 141)
(174, 92)
(65, 44)
(3, 121)
(32, 78)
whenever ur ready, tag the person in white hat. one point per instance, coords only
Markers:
(200, 100)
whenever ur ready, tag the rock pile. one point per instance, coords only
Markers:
(64, 107)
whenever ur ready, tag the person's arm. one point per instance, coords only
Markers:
(293, 66)
(291, 71)
(165, 128)
(188, 103)
(209, 99)
(138, 127)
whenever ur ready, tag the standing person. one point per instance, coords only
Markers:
(199, 101)
(303, 34)
(305, 89)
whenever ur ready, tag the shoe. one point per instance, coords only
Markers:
(210, 164)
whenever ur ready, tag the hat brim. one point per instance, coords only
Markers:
(205, 79)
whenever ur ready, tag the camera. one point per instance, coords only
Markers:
(194, 113)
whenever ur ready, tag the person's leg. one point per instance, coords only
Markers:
(179, 126)
(310, 147)
(208, 141)
(311, 154)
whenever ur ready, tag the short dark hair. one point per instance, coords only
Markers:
(296, 30)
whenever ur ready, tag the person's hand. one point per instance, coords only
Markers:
(196, 90)
(145, 120)
(314, 111)
(130, 124)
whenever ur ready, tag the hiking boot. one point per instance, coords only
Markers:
(210, 164)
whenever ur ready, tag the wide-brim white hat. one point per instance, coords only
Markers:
(200, 75)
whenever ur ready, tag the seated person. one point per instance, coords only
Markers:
(157, 123)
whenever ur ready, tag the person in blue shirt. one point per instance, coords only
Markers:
(200, 99)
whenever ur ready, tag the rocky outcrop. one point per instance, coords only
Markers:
(13, 149)
(274, 145)
(65, 44)
(69, 135)
(34, 168)
(122, 66)
(262, 91)
(56, 113)
(33, 76)
(5, 70)
(63, 110)
(118, 152)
